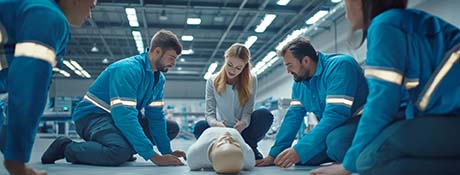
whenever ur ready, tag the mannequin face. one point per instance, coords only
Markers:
(226, 155)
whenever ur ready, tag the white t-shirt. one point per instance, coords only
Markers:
(197, 154)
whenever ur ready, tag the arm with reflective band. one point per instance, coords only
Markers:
(342, 85)
(291, 124)
(40, 39)
(123, 87)
(157, 123)
(210, 103)
(436, 78)
(387, 51)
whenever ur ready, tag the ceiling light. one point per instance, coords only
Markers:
(187, 52)
(193, 21)
(94, 48)
(266, 21)
(318, 15)
(182, 60)
(187, 38)
(250, 41)
(283, 2)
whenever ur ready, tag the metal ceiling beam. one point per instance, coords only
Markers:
(186, 8)
(121, 37)
(279, 35)
(251, 23)
(225, 34)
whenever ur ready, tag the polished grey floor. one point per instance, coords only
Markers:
(143, 167)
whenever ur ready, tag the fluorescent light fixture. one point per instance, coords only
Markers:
(187, 38)
(193, 21)
(212, 67)
(138, 39)
(318, 15)
(132, 17)
(78, 73)
(250, 41)
(86, 74)
(70, 66)
(283, 2)
(63, 72)
(187, 52)
(76, 65)
(336, 1)
(290, 37)
(268, 19)
(269, 56)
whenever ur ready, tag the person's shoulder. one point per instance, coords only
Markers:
(126, 65)
(42, 8)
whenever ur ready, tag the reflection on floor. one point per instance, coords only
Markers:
(141, 166)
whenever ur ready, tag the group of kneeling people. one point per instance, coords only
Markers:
(399, 113)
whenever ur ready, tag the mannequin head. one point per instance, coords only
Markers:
(226, 155)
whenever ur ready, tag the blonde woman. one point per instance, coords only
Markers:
(230, 96)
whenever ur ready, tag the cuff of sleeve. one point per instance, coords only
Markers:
(211, 121)
(147, 154)
(273, 152)
(298, 150)
(349, 165)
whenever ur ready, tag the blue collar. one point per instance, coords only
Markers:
(319, 65)
(146, 58)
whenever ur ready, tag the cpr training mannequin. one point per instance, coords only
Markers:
(222, 149)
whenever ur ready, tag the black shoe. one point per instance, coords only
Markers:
(257, 154)
(132, 158)
(56, 150)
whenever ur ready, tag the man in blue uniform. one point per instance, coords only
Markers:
(33, 39)
(331, 86)
(107, 118)
(412, 62)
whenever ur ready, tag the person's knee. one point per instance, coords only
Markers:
(118, 155)
(173, 129)
(200, 126)
(263, 115)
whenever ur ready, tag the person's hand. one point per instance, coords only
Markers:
(166, 160)
(179, 153)
(239, 125)
(267, 161)
(287, 158)
(335, 169)
(218, 124)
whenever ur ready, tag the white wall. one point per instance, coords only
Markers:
(277, 83)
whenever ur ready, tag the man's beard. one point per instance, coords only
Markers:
(160, 66)
(303, 75)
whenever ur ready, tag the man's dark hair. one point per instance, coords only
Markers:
(299, 47)
(166, 40)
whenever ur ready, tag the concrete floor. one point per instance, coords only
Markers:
(143, 167)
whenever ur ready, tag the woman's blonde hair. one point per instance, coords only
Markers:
(243, 82)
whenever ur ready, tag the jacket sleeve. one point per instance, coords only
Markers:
(157, 122)
(290, 125)
(342, 84)
(386, 55)
(124, 82)
(250, 105)
(210, 103)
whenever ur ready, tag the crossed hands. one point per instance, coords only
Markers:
(171, 159)
(239, 125)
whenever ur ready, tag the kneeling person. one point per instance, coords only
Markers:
(107, 118)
